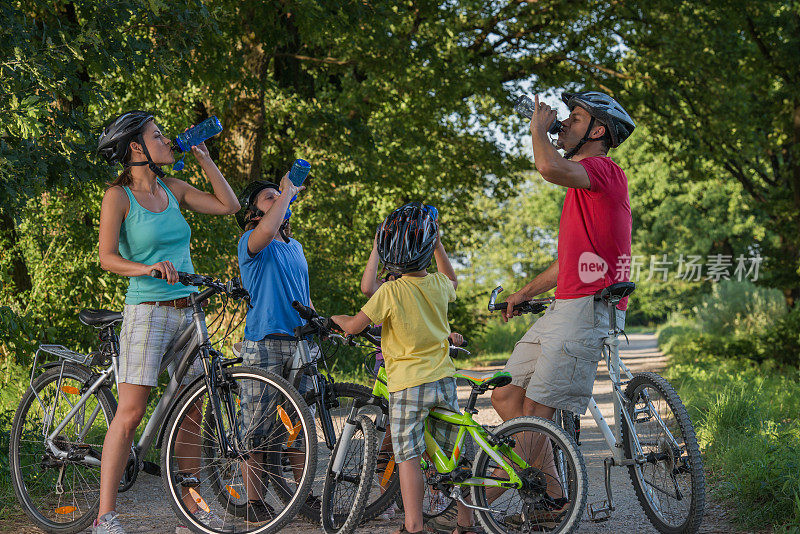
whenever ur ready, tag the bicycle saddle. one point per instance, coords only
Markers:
(617, 292)
(491, 379)
(93, 317)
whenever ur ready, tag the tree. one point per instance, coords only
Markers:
(716, 83)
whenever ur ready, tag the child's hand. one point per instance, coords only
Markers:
(456, 339)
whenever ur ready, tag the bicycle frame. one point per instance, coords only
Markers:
(195, 339)
(442, 463)
(615, 365)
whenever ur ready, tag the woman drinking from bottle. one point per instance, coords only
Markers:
(142, 229)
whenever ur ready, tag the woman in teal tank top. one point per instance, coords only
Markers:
(141, 229)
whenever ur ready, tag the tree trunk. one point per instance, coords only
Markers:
(20, 277)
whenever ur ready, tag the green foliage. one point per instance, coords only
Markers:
(715, 83)
(745, 415)
(739, 308)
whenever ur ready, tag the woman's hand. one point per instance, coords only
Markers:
(288, 188)
(200, 152)
(167, 270)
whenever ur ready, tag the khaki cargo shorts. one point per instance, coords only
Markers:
(556, 360)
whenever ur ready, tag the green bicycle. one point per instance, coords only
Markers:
(527, 475)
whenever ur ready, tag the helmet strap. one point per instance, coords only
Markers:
(153, 167)
(582, 142)
(282, 230)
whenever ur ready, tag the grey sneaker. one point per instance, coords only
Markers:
(108, 524)
(212, 521)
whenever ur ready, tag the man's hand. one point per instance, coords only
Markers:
(514, 300)
(543, 117)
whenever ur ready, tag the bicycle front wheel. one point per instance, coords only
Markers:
(670, 484)
(550, 500)
(58, 485)
(271, 440)
(346, 492)
(386, 487)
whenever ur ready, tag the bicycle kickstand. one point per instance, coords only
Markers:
(601, 510)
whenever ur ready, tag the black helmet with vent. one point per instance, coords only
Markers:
(407, 238)
(117, 136)
(247, 200)
(602, 107)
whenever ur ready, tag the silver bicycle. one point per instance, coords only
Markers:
(208, 430)
(654, 437)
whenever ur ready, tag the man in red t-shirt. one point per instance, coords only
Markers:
(554, 365)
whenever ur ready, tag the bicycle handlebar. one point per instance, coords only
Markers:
(232, 288)
(529, 306)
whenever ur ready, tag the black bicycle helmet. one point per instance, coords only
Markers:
(407, 238)
(247, 198)
(602, 107)
(116, 138)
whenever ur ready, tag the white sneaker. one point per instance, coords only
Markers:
(108, 524)
(389, 513)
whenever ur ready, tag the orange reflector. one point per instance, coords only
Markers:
(233, 492)
(72, 390)
(199, 500)
(65, 510)
(387, 474)
(293, 430)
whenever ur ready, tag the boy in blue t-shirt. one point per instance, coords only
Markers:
(275, 273)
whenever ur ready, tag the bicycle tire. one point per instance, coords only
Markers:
(578, 490)
(20, 448)
(311, 511)
(294, 405)
(689, 459)
(333, 523)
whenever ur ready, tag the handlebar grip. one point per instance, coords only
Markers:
(331, 325)
(155, 273)
(305, 312)
(500, 306)
(464, 343)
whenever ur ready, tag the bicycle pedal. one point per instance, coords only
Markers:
(599, 511)
(187, 481)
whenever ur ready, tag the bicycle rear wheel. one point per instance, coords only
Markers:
(548, 501)
(346, 493)
(271, 428)
(670, 485)
(59, 495)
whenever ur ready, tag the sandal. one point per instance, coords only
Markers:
(403, 530)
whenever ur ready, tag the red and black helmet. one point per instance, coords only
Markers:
(407, 238)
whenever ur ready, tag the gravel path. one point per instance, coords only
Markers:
(147, 509)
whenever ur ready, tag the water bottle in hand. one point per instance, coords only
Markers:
(300, 170)
(525, 106)
(193, 137)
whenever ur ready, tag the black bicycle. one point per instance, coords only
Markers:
(215, 425)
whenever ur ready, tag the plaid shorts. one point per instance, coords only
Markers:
(270, 355)
(408, 409)
(147, 332)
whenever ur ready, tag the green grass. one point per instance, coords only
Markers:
(746, 417)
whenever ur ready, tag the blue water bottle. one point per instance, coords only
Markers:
(300, 170)
(297, 175)
(194, 136)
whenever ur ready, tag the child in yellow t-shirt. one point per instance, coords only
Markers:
(414, 342)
